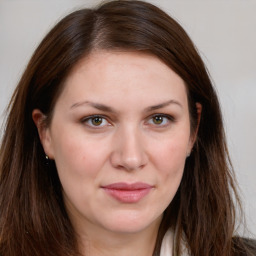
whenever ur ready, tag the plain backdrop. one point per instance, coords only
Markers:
(225, 34)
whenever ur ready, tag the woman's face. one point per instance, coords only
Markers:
(119, 135)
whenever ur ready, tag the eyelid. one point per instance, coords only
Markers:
(88, 118)
(84, 120)
(170, 118)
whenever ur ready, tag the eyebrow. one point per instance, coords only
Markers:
(105, 108)
(162, 105)
(95, 105)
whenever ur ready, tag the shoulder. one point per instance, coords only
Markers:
(244, 246)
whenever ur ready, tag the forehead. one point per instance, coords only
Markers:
(121, 76)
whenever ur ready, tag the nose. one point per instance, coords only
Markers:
(128, 152)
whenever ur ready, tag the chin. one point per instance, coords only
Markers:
(131, 223)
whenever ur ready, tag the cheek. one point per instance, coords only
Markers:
(169, 161)
(171, 155)
(79, 162)
(78, 156)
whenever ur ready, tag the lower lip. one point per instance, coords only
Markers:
(128, 196)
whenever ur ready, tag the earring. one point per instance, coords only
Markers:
(47, 160)
(188, 154)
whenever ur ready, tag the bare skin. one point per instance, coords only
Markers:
(121, 121)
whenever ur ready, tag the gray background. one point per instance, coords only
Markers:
(224, 32)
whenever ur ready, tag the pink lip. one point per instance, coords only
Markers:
(128, 193)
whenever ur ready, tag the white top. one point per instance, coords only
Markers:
(167, 248)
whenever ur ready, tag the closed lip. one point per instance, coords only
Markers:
(128, 193)
(128, 186)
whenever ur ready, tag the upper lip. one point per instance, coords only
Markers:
(128, 186)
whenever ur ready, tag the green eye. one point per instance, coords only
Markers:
(96, 121)
(158, 119)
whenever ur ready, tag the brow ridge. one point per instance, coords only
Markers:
(106, 108)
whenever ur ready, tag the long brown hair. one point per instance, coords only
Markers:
(33, 219)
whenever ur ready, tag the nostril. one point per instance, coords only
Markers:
(130, 162)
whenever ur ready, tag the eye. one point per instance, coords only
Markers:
(160, 120)
(96, 121)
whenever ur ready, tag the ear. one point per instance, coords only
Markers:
(194, 135)
(43, 132)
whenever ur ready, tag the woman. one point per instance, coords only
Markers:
(114, 144)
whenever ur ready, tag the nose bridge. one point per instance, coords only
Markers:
(129, 152)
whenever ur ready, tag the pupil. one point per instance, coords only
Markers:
(158, 119)
(97, 120)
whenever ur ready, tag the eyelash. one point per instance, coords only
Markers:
(166, 118)
(88, 119)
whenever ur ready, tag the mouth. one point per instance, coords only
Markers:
(128, 193)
